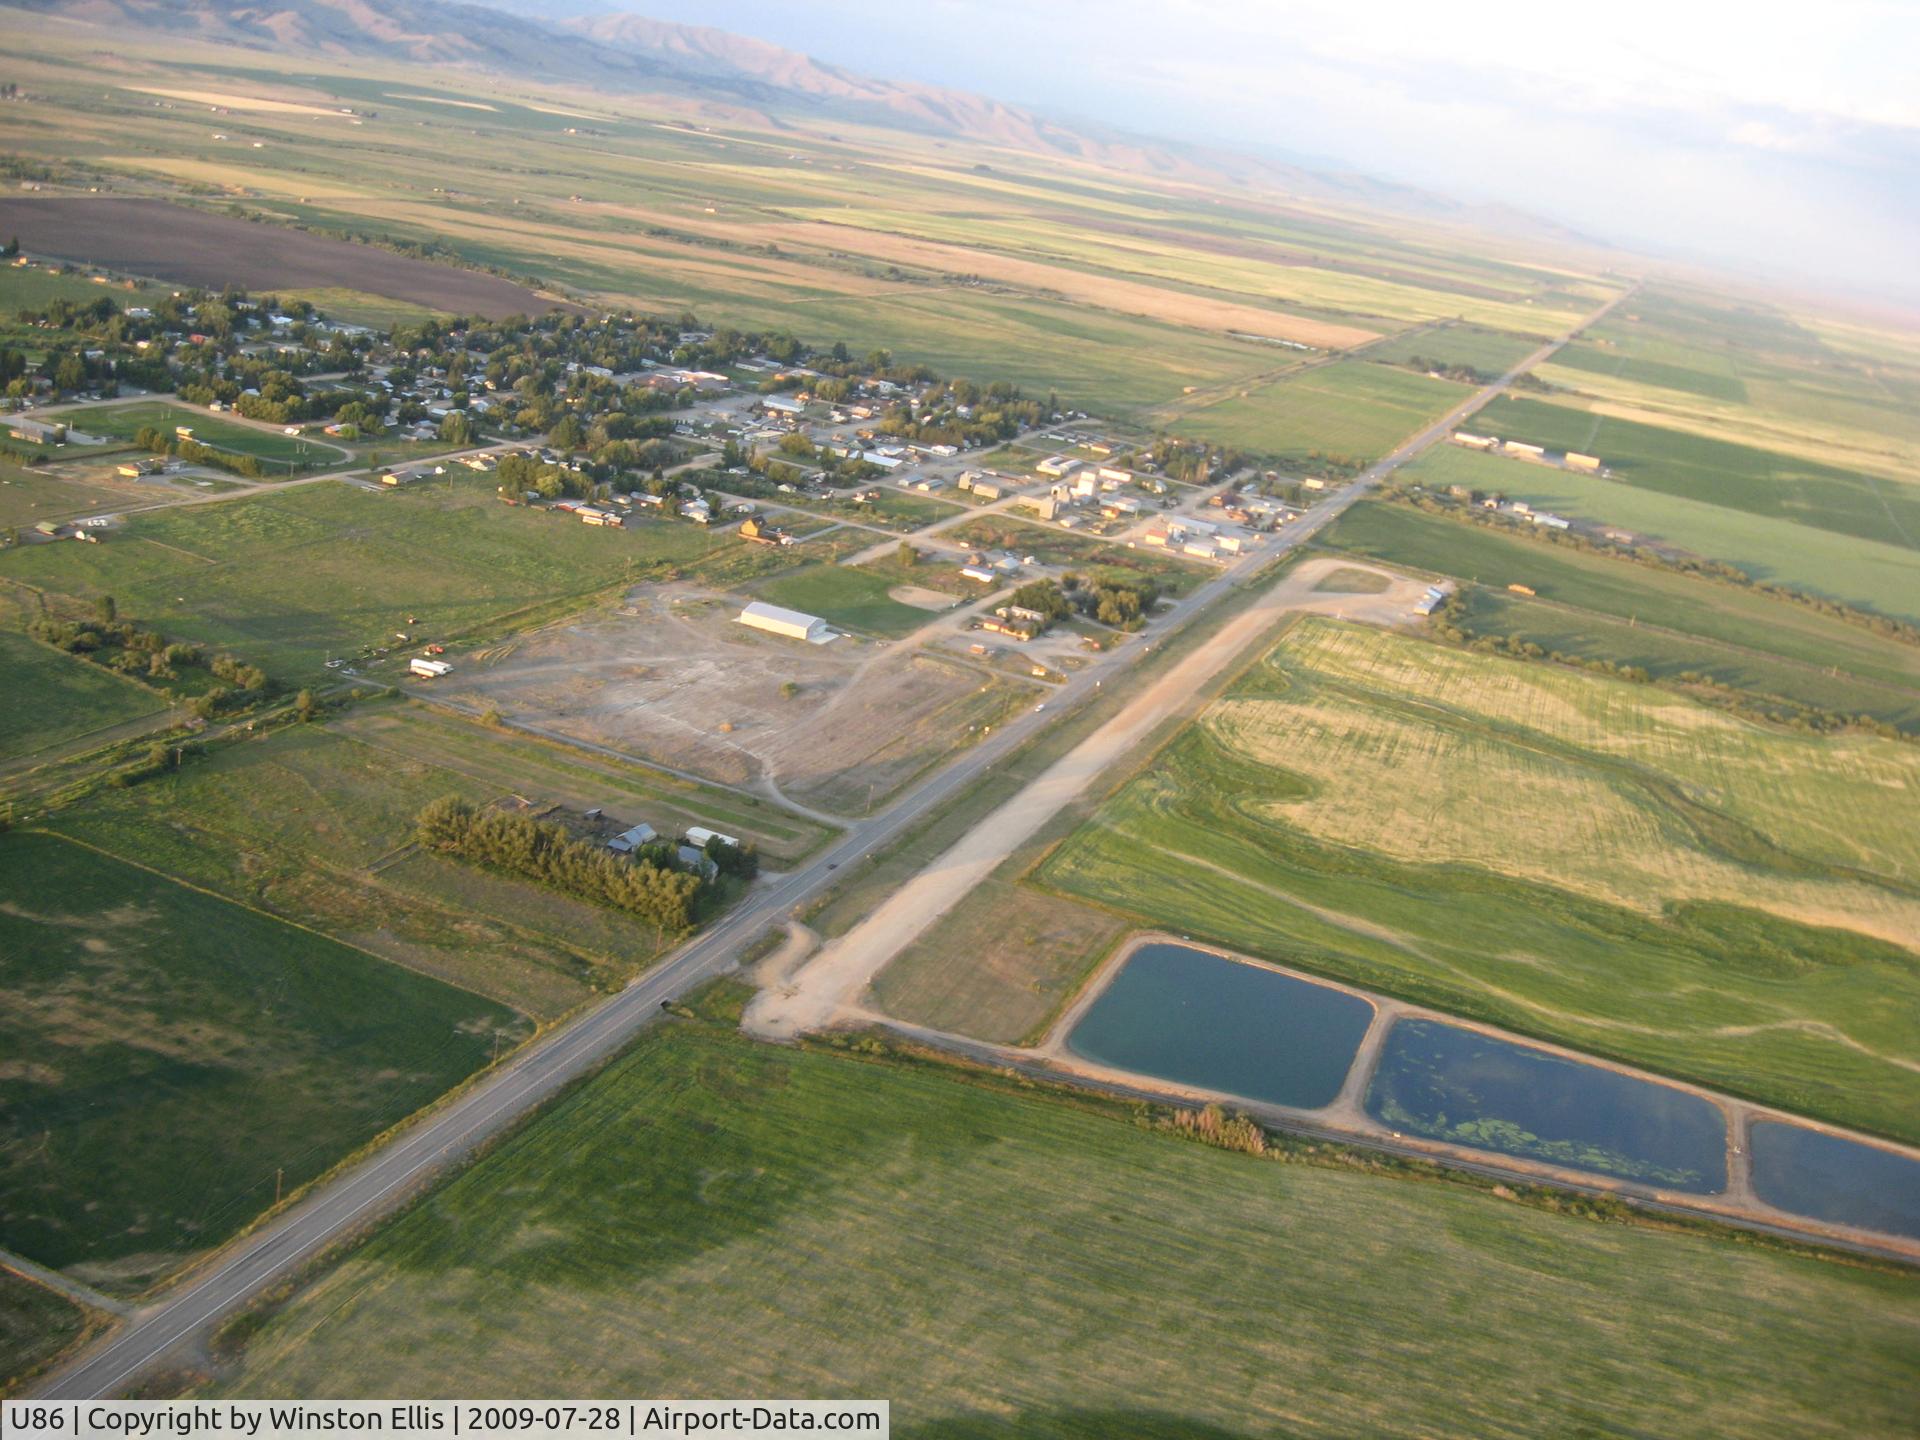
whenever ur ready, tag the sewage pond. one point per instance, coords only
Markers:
(1447, 1083)
(1200, 1019)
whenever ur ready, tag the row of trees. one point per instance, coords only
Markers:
(544, 852)
(183, 448)
(122, 645)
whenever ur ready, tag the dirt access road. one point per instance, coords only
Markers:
(336, 1209)
(829, 988)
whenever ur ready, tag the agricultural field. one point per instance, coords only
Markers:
(1487, 351)
(977, 260)
(998, 1262)
(1721, 625)
(1716, 472)
(1349, 409)
(1870, 574)
(288, 579)
(1625, 872)
(265, 442)
(1839, 394)
(315, 824)
(214, 251)
(171, 1053)
(53, 698)
(36, 1325)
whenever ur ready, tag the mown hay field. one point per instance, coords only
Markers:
(709, 1216)
(1581, 859)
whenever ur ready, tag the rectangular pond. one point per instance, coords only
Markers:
(1200, 1019)
(1447, 1083)
(1826, 1177)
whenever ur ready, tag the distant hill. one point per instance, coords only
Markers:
(623, 52)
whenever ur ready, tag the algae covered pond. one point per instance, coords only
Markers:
(1448, 1083)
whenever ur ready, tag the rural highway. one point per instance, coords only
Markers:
(340, 1207)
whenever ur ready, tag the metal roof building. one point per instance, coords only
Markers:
(778, 620)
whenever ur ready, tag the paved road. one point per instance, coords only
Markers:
(337, 1209)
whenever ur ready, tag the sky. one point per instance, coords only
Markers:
(1777, 139)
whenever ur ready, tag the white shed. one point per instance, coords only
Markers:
(778, 620)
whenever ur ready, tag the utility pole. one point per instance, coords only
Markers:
(278, 1175)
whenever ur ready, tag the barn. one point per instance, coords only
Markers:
(778, 620)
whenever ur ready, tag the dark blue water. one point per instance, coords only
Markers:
(1828, 1178)
(1446, 1083)
(1197, 1019)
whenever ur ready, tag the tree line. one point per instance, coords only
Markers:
(545, 852)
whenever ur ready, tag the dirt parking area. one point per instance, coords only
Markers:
(670, 677)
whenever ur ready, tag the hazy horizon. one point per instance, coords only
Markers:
(1787, 144)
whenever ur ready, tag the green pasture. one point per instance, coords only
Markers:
(265, 443)
(708, 1216)
(1591, 862)
(52, 698)
(1736, 477)
(174, 1055)
(288, 579)
(1740, 625)
(1488, 351)
(1348, 409)
(36, 1324)
(1867, 573)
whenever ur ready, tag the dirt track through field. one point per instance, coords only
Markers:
(840, 974)
(171, 242)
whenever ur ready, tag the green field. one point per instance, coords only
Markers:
(1663, 367)
(712, 1217)
(1736, 477)
(850, 598)
(266, 443)
(52, 698)
(1722, 625)
(287, 579)
(1589, 861)
(315, 822)
(1487, 351)
(36, 1324)
(1349, 409)
(170, 1052)
(1866, 573)
(55, 492)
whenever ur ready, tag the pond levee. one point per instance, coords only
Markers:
(1718, 1128)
